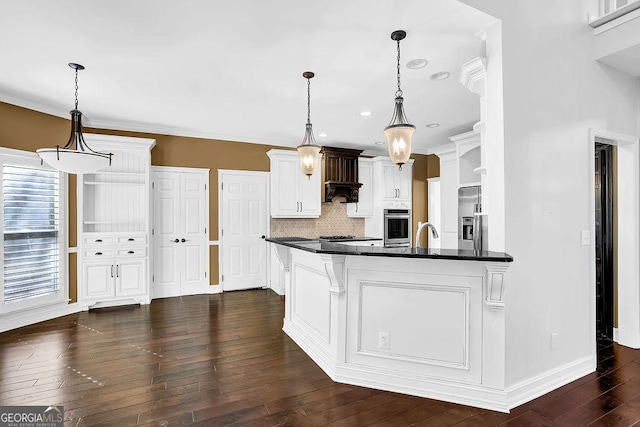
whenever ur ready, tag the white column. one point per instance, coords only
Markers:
(484, 78)
(449, 194)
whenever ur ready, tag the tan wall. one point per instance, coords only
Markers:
(25, 129)
(424, 167)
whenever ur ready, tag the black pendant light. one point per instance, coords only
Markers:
(76, 156)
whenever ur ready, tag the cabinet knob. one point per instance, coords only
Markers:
(263, 237)
(98, 240)
(176, 241)
(183, 240)
(98, 253)
(131, 239)
(131, 252)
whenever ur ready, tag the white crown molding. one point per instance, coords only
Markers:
(188, 133)
(473, 73)
(32, 104)
(463, 137)
(442, 150)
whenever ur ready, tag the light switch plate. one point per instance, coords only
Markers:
(585, 237)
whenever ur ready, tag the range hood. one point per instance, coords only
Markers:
(340, 167)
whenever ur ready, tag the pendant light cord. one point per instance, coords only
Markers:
(308, 101)
(399, 91)
(77, 88)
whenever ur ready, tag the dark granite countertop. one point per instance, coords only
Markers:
(324, 247)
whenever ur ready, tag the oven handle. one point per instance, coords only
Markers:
(397, 216)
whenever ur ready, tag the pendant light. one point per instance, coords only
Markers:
(308, 149)
(400, 131)
(76, 156)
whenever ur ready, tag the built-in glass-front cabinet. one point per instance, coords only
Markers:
(114, 224)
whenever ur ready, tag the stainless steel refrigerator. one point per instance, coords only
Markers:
(472, 227)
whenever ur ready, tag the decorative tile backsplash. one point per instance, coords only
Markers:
(333, 222)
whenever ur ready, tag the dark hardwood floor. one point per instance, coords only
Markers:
(223, 359)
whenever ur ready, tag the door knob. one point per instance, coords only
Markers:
(176, 241)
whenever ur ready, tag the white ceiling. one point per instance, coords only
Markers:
(233, 69)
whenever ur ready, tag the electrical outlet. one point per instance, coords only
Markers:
(383, 340)
(554, 341)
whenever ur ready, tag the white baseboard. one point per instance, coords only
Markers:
(277, 289)
(423, 386)
(322, 358)
(215, 289)
(535, 387)
(37, 314)
(615, 334)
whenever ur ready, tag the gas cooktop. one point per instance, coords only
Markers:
(337, 238)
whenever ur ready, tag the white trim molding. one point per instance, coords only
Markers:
(628, 237)
(472, 75)
(36, 314)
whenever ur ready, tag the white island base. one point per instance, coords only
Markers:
(425, 327)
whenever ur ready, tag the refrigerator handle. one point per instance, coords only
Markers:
(477, 228)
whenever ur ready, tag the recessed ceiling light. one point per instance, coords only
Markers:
(379, 143)
(365, 113)
(417, 63)
(440, 76)
(432, 125)
(322, 135)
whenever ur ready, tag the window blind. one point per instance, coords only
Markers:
(31, 228)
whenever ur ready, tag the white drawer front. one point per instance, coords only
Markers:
(98, 253)
(137, 239)
(99, 240)
(131, 252)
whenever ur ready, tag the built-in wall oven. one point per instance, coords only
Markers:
(397, 227)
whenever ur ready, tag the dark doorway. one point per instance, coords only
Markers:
(604, 240)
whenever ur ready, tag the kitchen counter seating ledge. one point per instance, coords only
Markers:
(322, 246)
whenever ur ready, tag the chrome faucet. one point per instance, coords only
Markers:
(422, 225)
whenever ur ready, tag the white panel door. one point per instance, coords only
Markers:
(181, 242)
(243, 218)
(194, 240)
(166, 220)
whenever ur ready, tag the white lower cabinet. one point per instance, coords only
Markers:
(131, 277)
(115, 273)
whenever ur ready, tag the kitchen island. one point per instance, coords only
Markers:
(424, 322)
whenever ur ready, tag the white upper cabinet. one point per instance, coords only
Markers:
(293, 194)
(364, 206)
(391, 184)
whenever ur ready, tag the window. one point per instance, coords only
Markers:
(33, 243)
